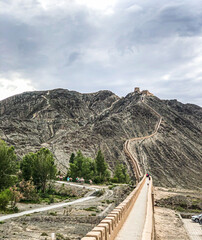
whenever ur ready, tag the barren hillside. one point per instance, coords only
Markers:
(66, 121)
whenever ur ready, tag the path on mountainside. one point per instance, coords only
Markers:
(53, 206)
(127, 145)
(133, 226)
(108, 109)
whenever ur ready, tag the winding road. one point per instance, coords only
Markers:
(54, 206)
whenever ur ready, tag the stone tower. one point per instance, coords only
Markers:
(137, 90)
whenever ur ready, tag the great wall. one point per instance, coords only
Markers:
(111, 226)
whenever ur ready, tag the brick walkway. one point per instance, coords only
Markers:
(133, 226)
(193, 229)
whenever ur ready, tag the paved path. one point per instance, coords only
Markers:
(193, 229)
(80, 185)
(134, 224)
(42, 209)
(53, 206)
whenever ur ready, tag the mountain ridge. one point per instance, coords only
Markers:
(66, 121)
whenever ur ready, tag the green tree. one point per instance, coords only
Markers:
(44, 168)
(120, 174)
(71, 160)
(76, 166)
(8, 165)
(96, 170)
(101, 166)
(88, 168)
(39, 167)
(82, 167)
(26, 166)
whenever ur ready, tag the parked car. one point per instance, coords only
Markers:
(195, 218)
(200, 220)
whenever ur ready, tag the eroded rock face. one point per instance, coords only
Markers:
(66, 121)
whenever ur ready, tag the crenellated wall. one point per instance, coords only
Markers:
(109, 227)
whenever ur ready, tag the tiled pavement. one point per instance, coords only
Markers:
(133, 226)
(193, 229)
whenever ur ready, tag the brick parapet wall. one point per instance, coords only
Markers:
(109, 227)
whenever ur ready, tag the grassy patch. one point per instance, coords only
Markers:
(90, 208)
(59, 236)
(112, 187)
(53, 213)
(181, 203)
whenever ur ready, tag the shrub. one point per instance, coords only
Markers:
(16, 196)
(51, 200)
(61, 237)
(44, 234)
(111, 187)
(28, 190)
(114, 180)
(99, 193)
(5, 197)
(53, 213)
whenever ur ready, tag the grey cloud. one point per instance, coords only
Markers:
(73, 57)
(80, 49)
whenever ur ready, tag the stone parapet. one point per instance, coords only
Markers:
(148, 231)
(109, 227)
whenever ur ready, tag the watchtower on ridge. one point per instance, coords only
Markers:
(137, 90)
(143, 92)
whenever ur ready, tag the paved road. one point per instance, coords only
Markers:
(194, 230)
(80, 185)
(42, 209)
(134, 224)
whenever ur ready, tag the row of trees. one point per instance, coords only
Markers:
(95, 169)
(27, 178)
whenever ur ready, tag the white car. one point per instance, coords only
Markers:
(200, 220)
(195, 218)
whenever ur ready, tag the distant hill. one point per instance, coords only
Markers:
(66, 121)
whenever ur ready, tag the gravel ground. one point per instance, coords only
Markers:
(69, 222)
(168, 224)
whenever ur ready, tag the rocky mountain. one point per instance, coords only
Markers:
(66, 121)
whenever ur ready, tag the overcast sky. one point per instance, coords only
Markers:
(91, 45)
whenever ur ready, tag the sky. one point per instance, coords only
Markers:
(116, 45)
